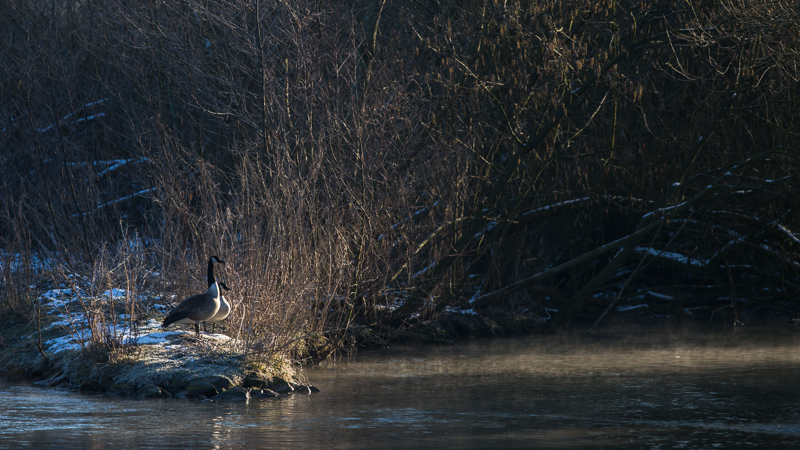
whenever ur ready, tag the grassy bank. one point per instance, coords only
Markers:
(104, 349)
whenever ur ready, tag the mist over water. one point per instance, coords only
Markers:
(631, 390)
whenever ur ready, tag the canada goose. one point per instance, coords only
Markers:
(200, 307)
(222, 313)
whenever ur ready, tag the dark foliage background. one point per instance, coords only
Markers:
(369, 165)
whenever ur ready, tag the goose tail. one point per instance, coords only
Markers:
(172, 318)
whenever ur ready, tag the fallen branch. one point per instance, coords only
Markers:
(114, 202)
(649, 222)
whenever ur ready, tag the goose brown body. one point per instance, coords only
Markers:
(200, 307)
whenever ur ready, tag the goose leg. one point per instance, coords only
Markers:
(197, 328)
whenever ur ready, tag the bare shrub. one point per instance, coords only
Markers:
(368, 165)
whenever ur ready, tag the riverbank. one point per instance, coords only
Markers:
(89, 349)
(112, 343)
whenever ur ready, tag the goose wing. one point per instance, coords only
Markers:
(197, 308)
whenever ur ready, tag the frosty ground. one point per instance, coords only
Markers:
(113, 343)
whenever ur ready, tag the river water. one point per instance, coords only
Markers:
(724, 390)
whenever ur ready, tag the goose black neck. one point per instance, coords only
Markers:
(211, 279)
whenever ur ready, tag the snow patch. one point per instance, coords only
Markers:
(154, 338)
(631, 308)
(660, 296)
(114, 293)
(677, 257)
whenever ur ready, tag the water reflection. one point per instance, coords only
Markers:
(712, 391)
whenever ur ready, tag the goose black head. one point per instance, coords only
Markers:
(223, 286)
(211, 263)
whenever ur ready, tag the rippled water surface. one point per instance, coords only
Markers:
(729, 390)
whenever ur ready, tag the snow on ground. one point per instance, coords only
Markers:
(145, 336)
(60, 344)
(628, 308)
(466, 312)
(18, 261)
(660, 296)
(155, 338)
(70, 320)
(677, 257)
(115, 293)
(59, 298)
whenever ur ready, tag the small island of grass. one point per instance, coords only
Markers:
(95, 352)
